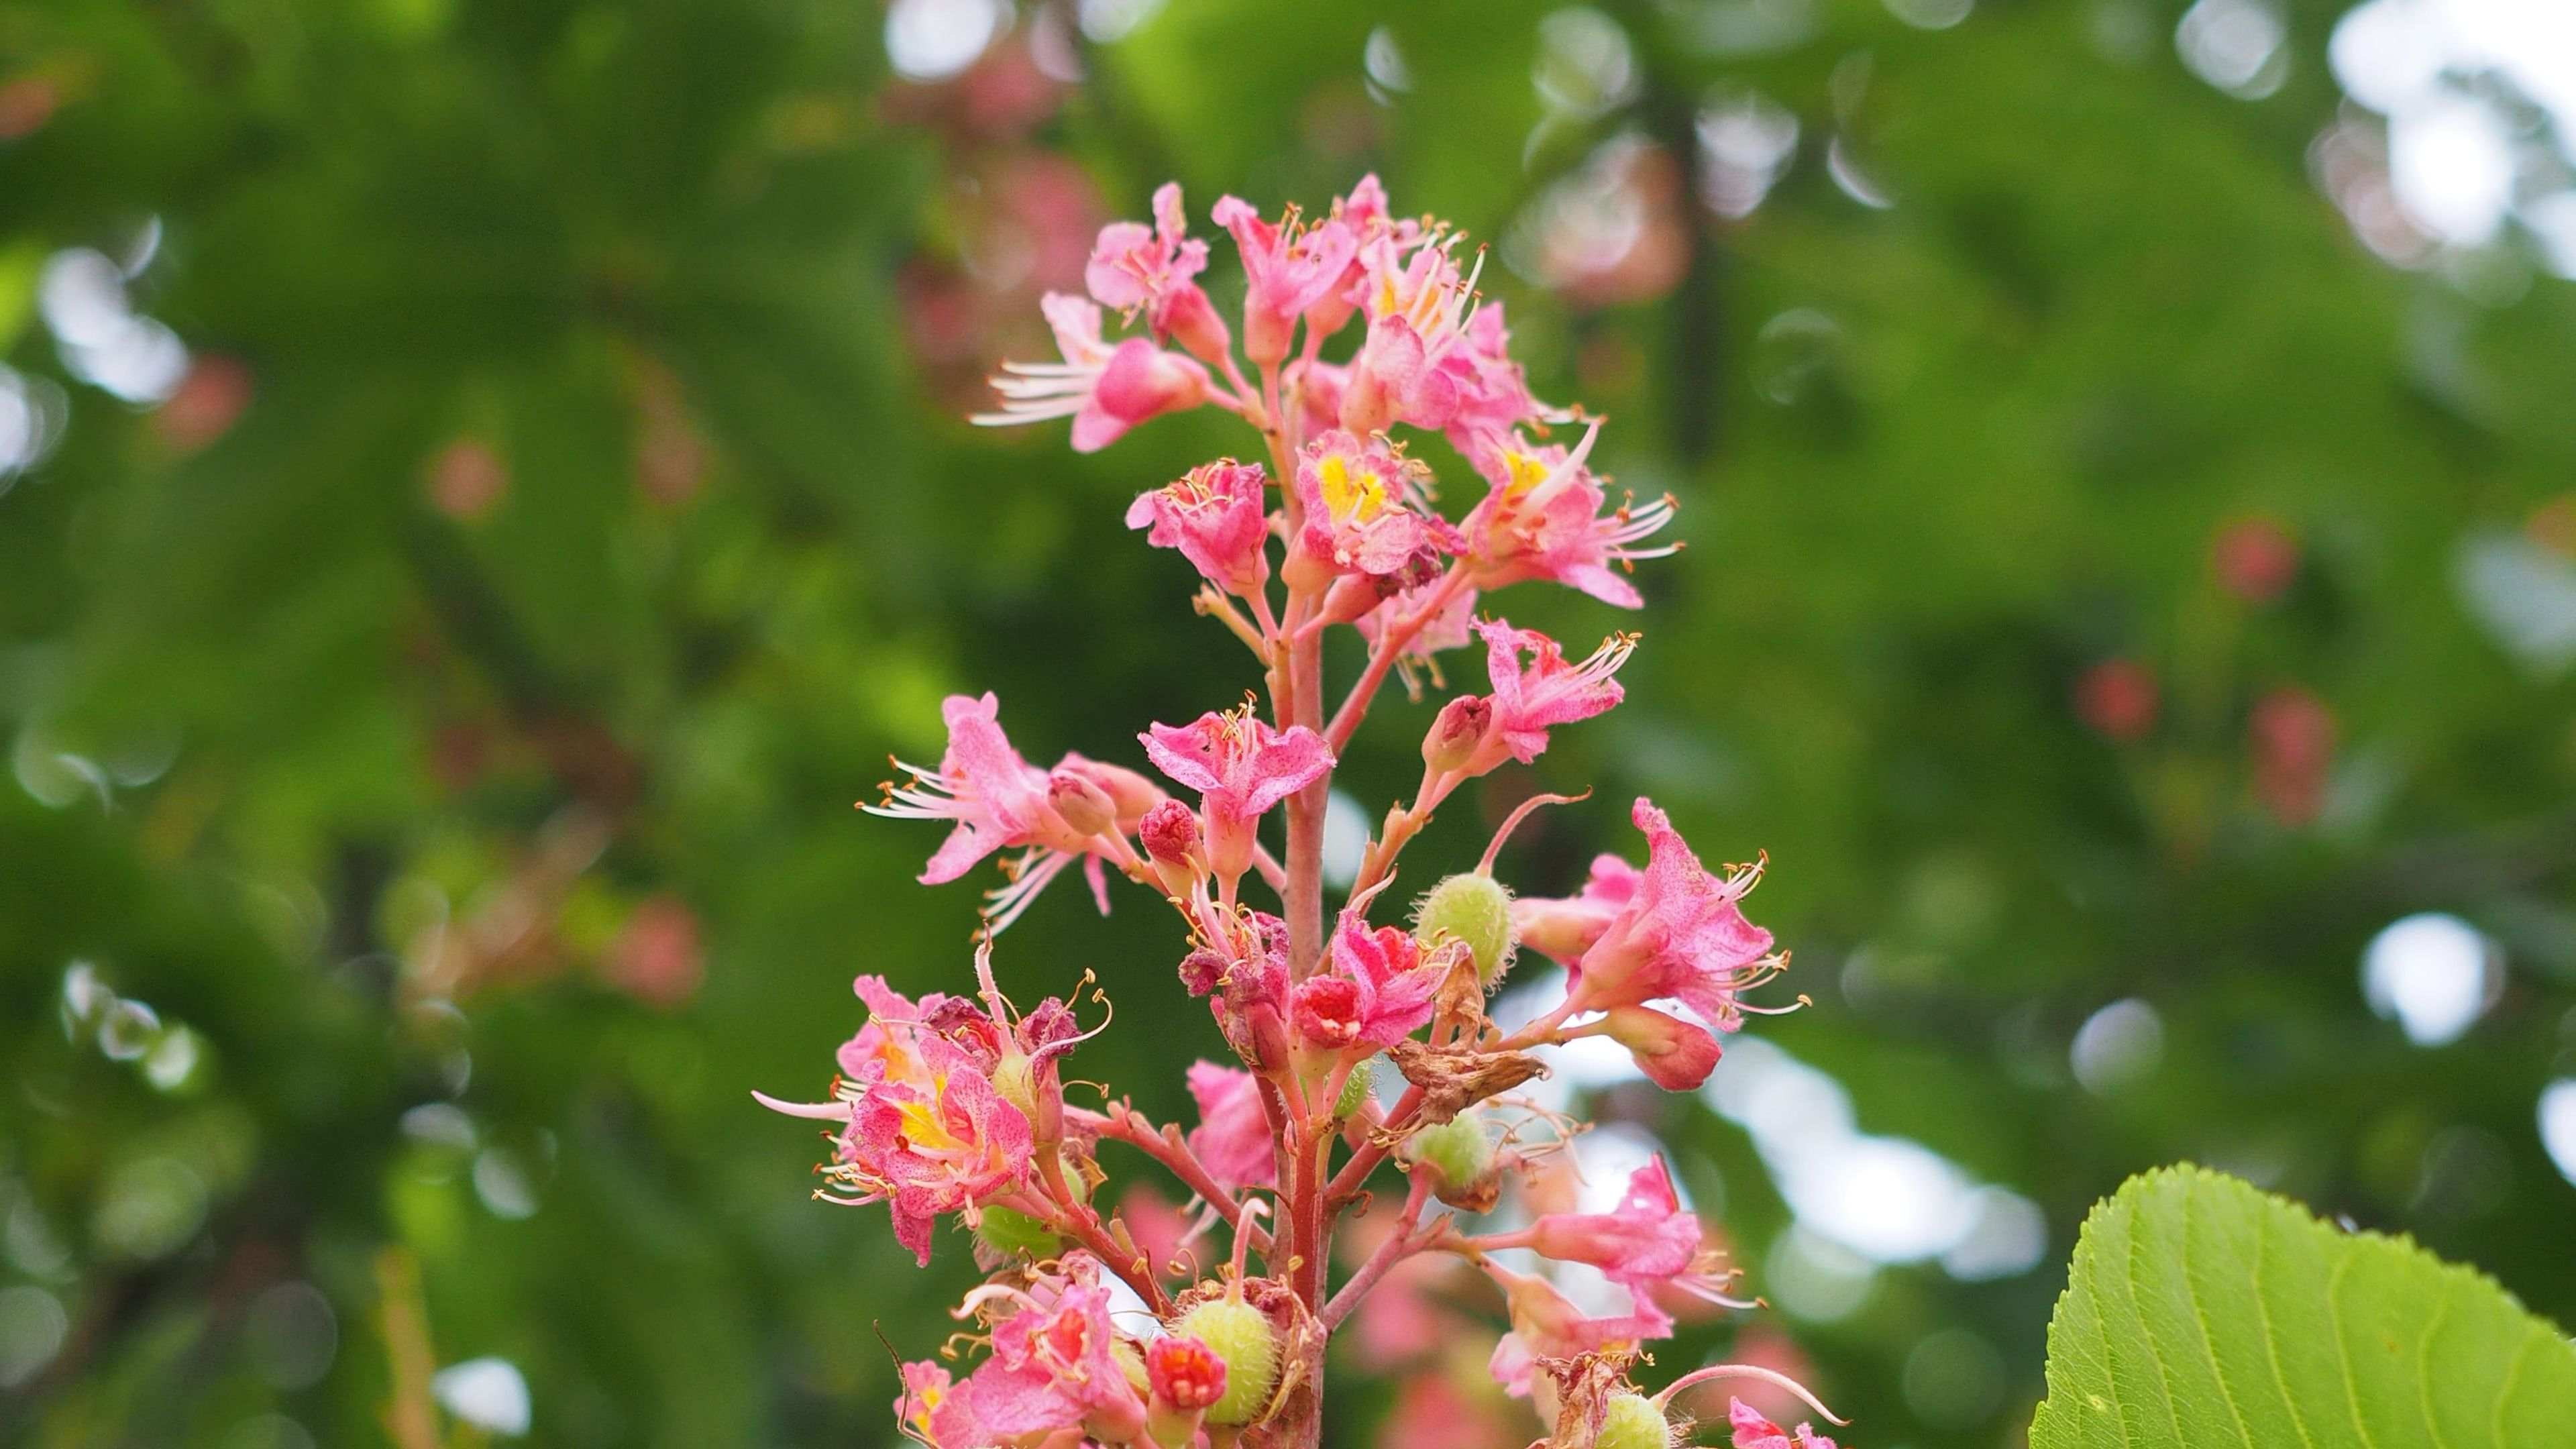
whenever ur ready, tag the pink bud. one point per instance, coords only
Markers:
(1676, 1055)
(1461, 724)
(1170, 832)
(1187, 318)
(1084, 806)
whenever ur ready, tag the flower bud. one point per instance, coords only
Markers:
(1677, 1055)
(1632, 1421)
(1461, 724)
(1187, 317)
(1243, 1340)
(1170, 832)
(1083, 805)
(1184, 1372)
(1475, 910)
(1459, 1155)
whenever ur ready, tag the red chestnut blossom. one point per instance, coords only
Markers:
(1000, 801)
(1287, 268)
(1105, 389)
(1543, 520)
(1378, 991)
(1233, 1136)
(1241, 767)
(1752, 1431)
(1360, 501)
(1529, 702)
(1216, 515)
(1052, 1367)
(1136, 267)
(926, 1130)
(1648, 1241)
(1680, 934)
(925, 1387)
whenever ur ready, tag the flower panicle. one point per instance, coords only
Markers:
(1362, 1066)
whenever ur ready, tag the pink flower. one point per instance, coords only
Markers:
(1546, 1324)
(1752, 1431)
(1232, 1139)
(1216, 515)
(1451, 628)
(1562, 930)
(1134, 266)
(1377, 993)
(926, 1131)
(1394, 379)
(1360, 501)
(925, 1387)
(1648, 1241)
(1543, 520)
(1001, 801)
(1052, 1368)
(1105, 390)
(1287, 269)
(1242, 768)
(1680, 934)
(1529, 702)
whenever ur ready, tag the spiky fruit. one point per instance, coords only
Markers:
(1475, 909)
(1458, 1150)
(1631, 1421)
(1241, 1335)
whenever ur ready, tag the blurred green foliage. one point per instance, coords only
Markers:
(571, 508)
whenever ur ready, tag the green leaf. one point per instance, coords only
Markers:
(2202, 1312)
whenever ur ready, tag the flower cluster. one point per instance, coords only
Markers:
(1099, 1326)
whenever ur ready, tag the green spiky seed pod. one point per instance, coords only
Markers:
(1356, 1091)
(1241, 1335)
(1010, 1231)
(1473, 908)
(1633, 1422)
(1458, 1150)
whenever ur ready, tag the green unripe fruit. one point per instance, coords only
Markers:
(1458, 1150)
(1633, 1422)
(1008, 1231)
(1476, 910)
(1356, 1091)
(1241, 1335)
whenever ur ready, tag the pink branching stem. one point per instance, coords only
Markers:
(1403, 1243)
(1390, 647)
(1168, 1147)
(1746, 1371)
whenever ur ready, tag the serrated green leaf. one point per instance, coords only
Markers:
(2201, 1313)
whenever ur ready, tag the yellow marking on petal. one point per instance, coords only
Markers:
(1351, 495)
(1527, 472)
